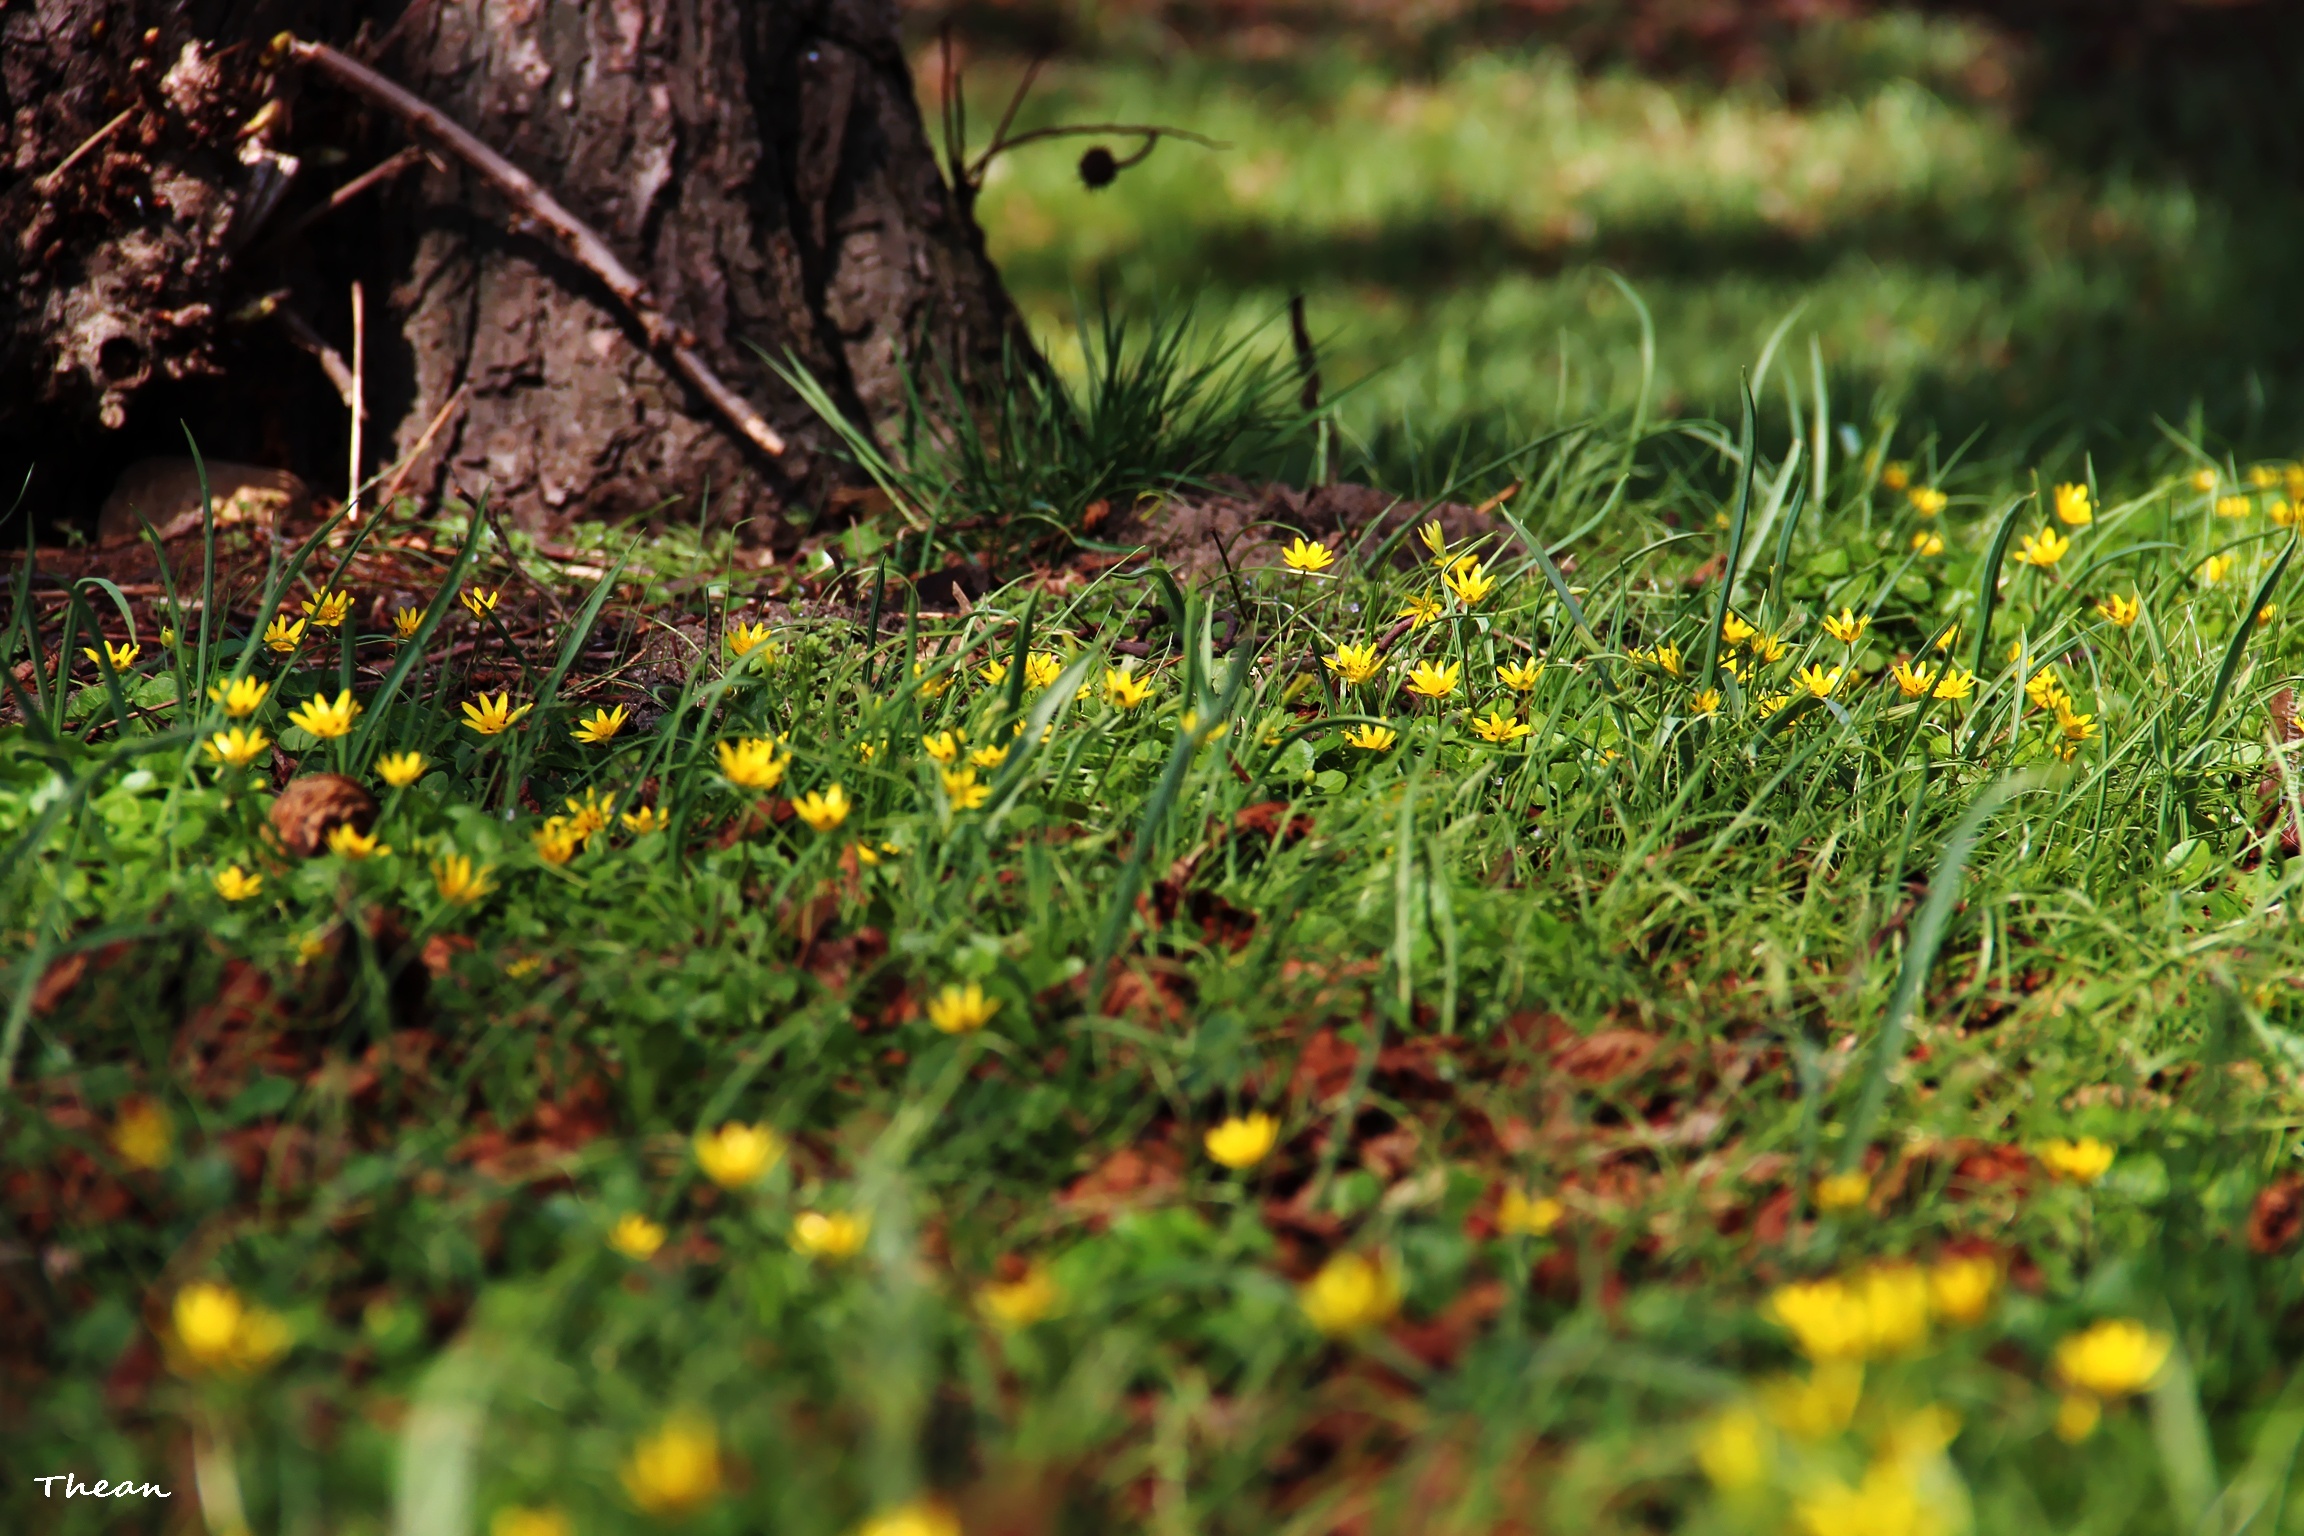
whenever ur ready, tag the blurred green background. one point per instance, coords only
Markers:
(2043, 221)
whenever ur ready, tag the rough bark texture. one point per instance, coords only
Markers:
(761, 164)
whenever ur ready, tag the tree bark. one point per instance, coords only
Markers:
(761, 165)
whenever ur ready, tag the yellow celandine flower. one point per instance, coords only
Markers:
(589, 815)
(1371, 738)
(1520, 1214)
(2216, 567)
(751, 762)
(1306, 557)
(405, 623)
(1705, 701)
(1891, 1500)
(602, 727)
(2204, 479)
(240, 697)
(647, 819)
(930, 687)
(1470, 584)
(1848, 1191)
(323, 719)
(1955, 684)
(921, 1517)
(1353, 663)
(1500, 728)
(1817, 1405)
(1948, 639)
(2077, 1415)
(492, 716)
(943, 746)
(556, 841)
(122, 656)
(994, 672)
(2113, 1358)
(2072, 506)
(830, 1234)
(235, 884)
(1765, 646)
(1021, 1302)
(1351, 1294)
(1848, 627)
(1882, 1311)
(1435, 541)
(167, 637)
(2042, 549)
(327, 609)
(514, 1520)
(347, 842)
(737, 1156)
(823, 809)
(961, 788)
(1734, 631)
(988, 757)
(2045, 689)
(1520, 677)
(283, 636)
(2080, 1161)
(1242, 1141)
(1665, 658)
(1961, 1288)
(1420, 611)
(479, 601)
(961, 1010)
(238, 747)
(744, 639)
(2263, 476)
(1123, 689)
(1927, 500)
(458, 883)
(2234, 506)
(2078, 729)
(1434, 682)
(2122, 611)
(676, 1470)
(1914, 682)
(2282, 514)
(1820, 680)
(143, 1137)
(215, 1331)
(1042, 668)
(1733, 1450)
(1925, 543)
(1743, 671)
(1896, 474)
(1771, 703)
(636, 1237)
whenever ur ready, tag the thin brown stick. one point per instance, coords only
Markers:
(359, 398)
(675, 342)
(400, 471)
(390, 167)
(331, 361)
(47, 184)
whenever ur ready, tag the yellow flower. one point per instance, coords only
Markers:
(1433, 682)
(327, 609)
(1371, 738)
(751, 762)
(2112, 1358)
(1961, 1287)
(737, 1156)
(1817, 1405)
(122, 656)
(1665, 658)
(1435, 541)
(2082, 1161)
(1353, 663)
(459, 884)
(556, 841)
(1309, 558)
(1770, 703)
(1765, 646)
(323, 719)
(2216, 567)
(1499, 727)
(830, 1235)
(1843, 1191)
(1705, 701)
(930, 687)
(143, 1137)
(479, 601)
(823, 809)
(2045, 689)
(961, 788)
(2078, 729)
(962, 1010)
(1896, 474)
(2234, 506)
(235, 884)
(943, 746)
(602, 726)
(1123, 689)
(1926, 543)
(1848, 628)
(1888, 1502)
(239, 697)
(1470, 584)
(994, 672)
(1820, 680)
(921, 1517)
(238, 747)
(1520, 1214)
(2122, 611)
(491, 716)
(2204, 479)
(1022, 1302)
(676, 1470)
(401, 769)
(744, 639)
(647, 819)
(2072, 506)
(1520, 677)
(1955, 684)
(988, 757)
(217, 1331)
(2263, 476)
(1242, 1141)
(1351, 1294)
(283, 636)
(2077, 1415)
(2267, 613)
(167, 637)
(590, 814)
(1913, 682)
(2282, 514)
(405, 623)
(1826, 1319)
(1895, 1298)
(635, 1236)
(346, 842)
(512, 1520)
(1733, 1450)
(2042, 549)
(1927, 500)
(1948, 639)
(1042, 668)
(1420, 611)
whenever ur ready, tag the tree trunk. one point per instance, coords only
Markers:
(760, 165)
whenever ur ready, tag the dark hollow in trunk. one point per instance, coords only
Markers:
(760, 164)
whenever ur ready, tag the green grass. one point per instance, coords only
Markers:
(1670, 970)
